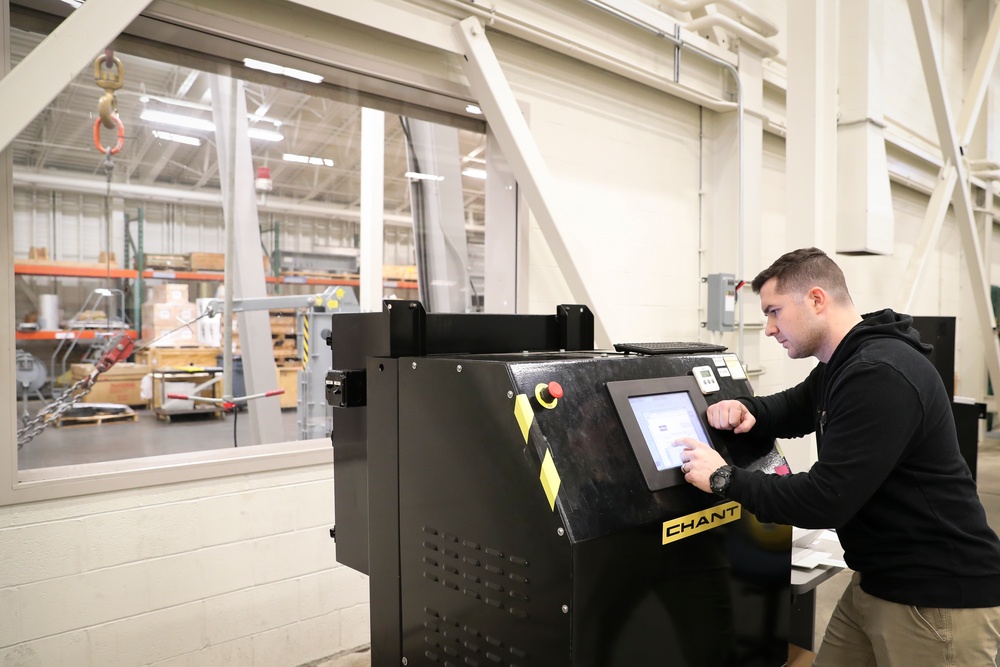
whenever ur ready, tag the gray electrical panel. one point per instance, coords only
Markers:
(721, 302)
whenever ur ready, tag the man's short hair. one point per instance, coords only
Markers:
(800, 270)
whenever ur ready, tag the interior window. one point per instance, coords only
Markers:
(130, 247)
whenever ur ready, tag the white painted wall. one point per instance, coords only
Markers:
(238, 571)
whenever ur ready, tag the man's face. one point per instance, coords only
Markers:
(792, 321)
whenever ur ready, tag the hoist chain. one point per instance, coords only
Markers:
(109, 79)
(53, 411)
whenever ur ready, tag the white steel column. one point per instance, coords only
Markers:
(811, 105)
(372, 209)
(864, 201)
(8, 396)
(961, 196)
(944, 188)
(506, 240)
(54, 63)
(490, 87)
(439, 217)
(927, 239)
(236, 172)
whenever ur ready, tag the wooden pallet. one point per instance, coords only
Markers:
(97, 419)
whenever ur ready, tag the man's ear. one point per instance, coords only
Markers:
(817, 298)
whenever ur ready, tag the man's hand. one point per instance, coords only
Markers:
(730, 416)
(698, 462)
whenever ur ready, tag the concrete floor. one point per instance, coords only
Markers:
(147, 436)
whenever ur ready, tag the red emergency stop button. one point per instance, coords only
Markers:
(548, 395)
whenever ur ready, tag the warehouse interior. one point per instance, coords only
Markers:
(171, 166)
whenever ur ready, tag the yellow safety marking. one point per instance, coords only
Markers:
(332, 304)
(340, 292)
(550, 479)
(525, 415)
(305, 341)
(699, 522)
(538, 395)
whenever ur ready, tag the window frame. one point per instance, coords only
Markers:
(428, 95)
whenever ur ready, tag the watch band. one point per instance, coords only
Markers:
(720, 480)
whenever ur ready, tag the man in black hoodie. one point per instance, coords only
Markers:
(889, 476)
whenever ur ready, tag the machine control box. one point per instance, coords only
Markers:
(346, 389)
(706, 379)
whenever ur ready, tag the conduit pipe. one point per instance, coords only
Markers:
(200, 198)
(736, 28)
(745, 14)
(681, 44)
(514, 27)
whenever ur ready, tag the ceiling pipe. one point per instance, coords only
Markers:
(745, 14)
(504, 22)
(735, 28)
(201, 197)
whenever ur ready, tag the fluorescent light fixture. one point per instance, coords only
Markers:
(177, 119)
(264, 135)
(254, 117)
(475, 173)
(285, 71)
(202, 124)
(179, 138)
(417, 176)
(472, 108)
(73, 3)
(305, 159)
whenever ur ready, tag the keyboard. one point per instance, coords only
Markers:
(670, 347)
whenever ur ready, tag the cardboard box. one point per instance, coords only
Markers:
(168, 314)
(207, 261)
(158, 358)
(167, 336)
(288, 379)
(166, 262)
(799, 657)
(170, 293)
(119, 384)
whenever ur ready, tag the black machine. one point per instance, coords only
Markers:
(515, 497)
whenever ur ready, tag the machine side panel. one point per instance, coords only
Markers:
(484, 571)
(383, 511)
(353, 338)
(590, 451)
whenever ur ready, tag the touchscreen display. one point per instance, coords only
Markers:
(663, 418)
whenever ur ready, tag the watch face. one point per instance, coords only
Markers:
(719, 480)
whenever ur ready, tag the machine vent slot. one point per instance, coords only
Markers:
(491, 576)
(450, 642)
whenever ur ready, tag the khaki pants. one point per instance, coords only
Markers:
(866, 631)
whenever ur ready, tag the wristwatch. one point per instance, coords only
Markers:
(720, 481)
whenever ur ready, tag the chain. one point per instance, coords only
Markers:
(53, 411)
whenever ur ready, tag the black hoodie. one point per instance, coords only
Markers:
(889, 476)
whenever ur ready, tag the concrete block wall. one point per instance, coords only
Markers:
(234, 571)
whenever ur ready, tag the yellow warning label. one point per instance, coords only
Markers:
(525, 415)
(340, 292)
(699, 522)
(550, 479)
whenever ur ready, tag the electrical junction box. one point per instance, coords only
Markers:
(721, 302)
